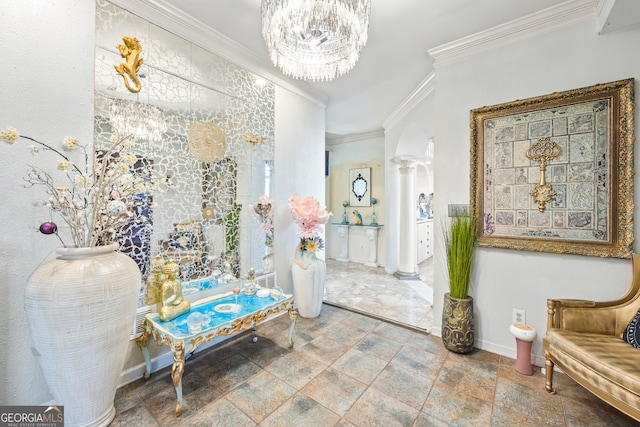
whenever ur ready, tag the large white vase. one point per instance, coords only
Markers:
(308, 284)
(81, 308)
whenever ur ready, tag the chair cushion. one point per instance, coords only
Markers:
(606, 359)
(631, 333)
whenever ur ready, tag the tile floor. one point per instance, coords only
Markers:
(372, 291)
(348, 369)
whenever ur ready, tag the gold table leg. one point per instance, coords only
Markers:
(176, 373)
(143, 344)
(293, 315)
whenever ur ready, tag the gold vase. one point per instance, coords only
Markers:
(457, 324)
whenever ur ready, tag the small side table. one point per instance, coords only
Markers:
(176, 334)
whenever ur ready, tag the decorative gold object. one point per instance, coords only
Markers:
(206, 142)
(155, 281)
(593, 176)
(173, 304)
(254, 138)
(543, 151)
(130, 50)
(177, 370)
(207, 212)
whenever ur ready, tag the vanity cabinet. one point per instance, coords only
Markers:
(425, 240)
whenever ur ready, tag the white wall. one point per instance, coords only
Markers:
(47, 93)
(504, 279)
(299, 169)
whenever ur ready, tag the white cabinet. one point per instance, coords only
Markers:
(425, 240)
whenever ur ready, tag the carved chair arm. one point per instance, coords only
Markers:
(581, 316)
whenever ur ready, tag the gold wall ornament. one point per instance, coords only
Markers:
(543, 151)
(130, 50)
(593, 211)
(254, 138)
(206, 142)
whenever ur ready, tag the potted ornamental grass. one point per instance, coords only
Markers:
(457, 313)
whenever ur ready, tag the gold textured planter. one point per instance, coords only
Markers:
(457, 324)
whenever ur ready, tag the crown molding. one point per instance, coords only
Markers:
(186, 26)
(603, 9)
(418, 95)
(551, 19)
(339, 139)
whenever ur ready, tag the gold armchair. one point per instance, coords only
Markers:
(584, 340)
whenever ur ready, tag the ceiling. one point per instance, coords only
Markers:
(393, 63)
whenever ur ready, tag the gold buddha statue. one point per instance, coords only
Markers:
(155, 281)
(173, 304)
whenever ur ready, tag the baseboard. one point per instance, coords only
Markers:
(536, 359)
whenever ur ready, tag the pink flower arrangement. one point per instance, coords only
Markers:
(309, 215)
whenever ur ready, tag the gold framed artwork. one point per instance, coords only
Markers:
(554, 173)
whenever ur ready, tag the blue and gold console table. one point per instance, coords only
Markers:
(221, 320)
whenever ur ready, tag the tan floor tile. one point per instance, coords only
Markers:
(375, 408)
(219, 413)
(301, 411)
(502, 417)
(262, 352)
(334, 390)
(403, 385)
(535, 381)
(296, 369)
(419, 361)
(595, 414)
(136, 416)
(467, 379)
(425, 420)
(394, 332)
(521, 402)
(325, 350)
(346, 333)
(261, 395)
(378, 346)
(457, 409)
(229, 373)
(359, 365)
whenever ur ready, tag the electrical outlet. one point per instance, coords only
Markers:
(518, 316)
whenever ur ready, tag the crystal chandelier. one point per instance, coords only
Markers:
(140, 121)
(316, 40)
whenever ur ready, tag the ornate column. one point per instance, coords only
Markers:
(343, 233)
(408, 229)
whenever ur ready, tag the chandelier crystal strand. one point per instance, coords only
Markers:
(140, 121)
(315, 40)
